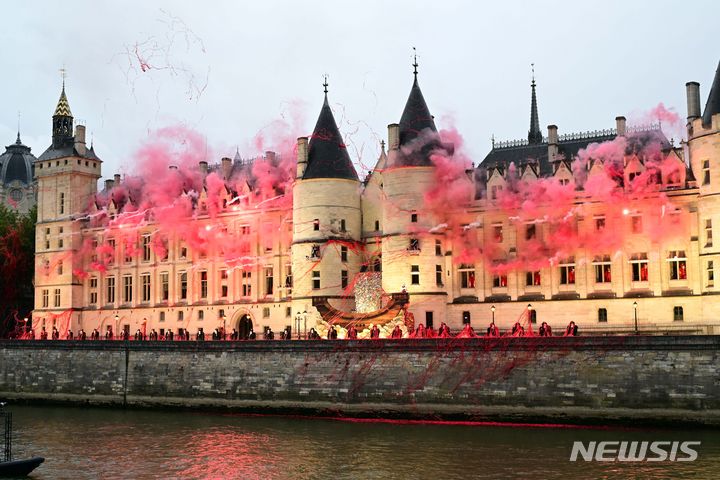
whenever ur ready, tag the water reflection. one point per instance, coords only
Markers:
(98, 443)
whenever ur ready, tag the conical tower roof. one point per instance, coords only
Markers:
(712, 106)
(327, 154)
(63, 106)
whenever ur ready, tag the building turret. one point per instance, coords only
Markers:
(409, 259)
(326, 218)
(703, 147)
(67, 174)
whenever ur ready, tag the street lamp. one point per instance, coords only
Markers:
(492, 309)
(635, 308)
(304, 317)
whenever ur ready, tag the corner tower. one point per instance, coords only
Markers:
(703, 147)
(326, 218)
(412, 255)
(66, 174)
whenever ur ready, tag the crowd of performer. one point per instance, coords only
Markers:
(421, 331)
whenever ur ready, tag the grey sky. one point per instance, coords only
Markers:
(594, 60)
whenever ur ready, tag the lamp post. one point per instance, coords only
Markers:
(304, 317)
(530, 317)
(635, 308)
(492, 309)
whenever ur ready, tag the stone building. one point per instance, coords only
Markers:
(341, 228)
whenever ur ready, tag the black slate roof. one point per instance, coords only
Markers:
(712, 106)
(327, 154)
(415, 121)
(16, 163)
(67, 151)
(523, 153)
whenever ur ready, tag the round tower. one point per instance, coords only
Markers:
(703, 148)
(413, 250)
(326, 219)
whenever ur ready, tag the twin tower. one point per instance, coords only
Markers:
(342, 226)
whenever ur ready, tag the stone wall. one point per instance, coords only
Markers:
(583, 379)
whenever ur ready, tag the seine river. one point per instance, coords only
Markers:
(83, 443)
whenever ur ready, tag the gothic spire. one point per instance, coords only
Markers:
(534, 134)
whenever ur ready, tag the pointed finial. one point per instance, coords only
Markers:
(63, 74)
(492, 139)
(532, 67)
(18, 142)
(415, 64)
(325, 83)
(382, 145)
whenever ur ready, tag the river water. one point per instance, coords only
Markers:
(93, 443)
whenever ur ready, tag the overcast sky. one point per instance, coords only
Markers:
(228, 69)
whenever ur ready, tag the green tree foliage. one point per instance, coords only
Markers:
(17, 260)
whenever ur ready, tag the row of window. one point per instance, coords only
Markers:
(602, 266)
(602, 315)
(182, 286)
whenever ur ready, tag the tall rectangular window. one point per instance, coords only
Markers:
(269, 283)
(110, 290)
(145, 283)
(127, 288)
(316, 225)
(162, 317)
(57, 297)
(413, 217)
(603, 266)
(110, 255)
(93, 291)
(710, 273)
(47, 239)
(203, 284)
(639, 263)
(343, 278)
(636, 224)
(678, 314)
(678, 267)
(60, 268)
(181, 316)
(429, 319)
(246, 283)
(61, 241)
(567, 272)
(708, 233)
(146, 248)
(706, 172)
(495, 191)
(415, 275)
(164, 286)
(62, 203)
(602, 315)
(438, 248)
(343, 253)
(182, 276)
(497, 233)
(45, 298)
(316, 280)
(342, 225)
(414, 245)
(288, 278)
(599, 224)
(466, 318)
(467, 275)
(530, 231)
(438, 275)
(223, 283)
(129, 247)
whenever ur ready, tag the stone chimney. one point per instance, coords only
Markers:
(80, 139)
(621, 125)
(172, 167)
(393, 136)
(552, 142)
(116, 183)
(692, 90)
(109, 184)
(203, 167)
(302, 156)
(270, 156)
(226, 167)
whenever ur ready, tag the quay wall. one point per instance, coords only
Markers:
(648, 379)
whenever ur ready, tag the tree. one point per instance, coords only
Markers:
(17, 265)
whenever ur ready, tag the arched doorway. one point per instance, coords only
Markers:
(245, 326)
